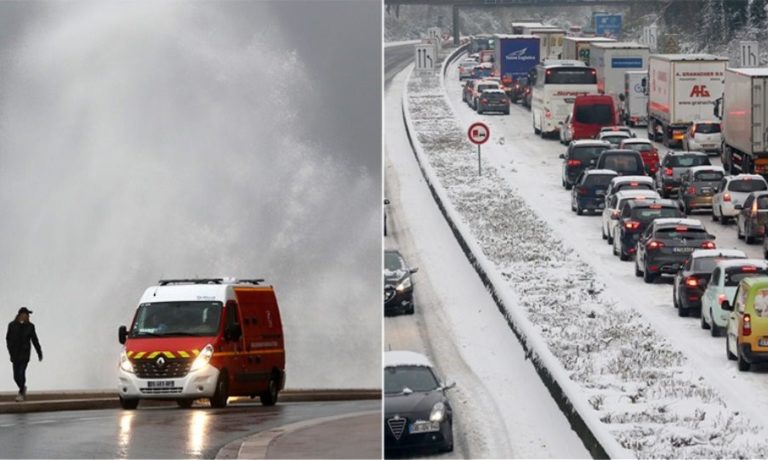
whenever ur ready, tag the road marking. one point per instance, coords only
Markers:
(41, 422)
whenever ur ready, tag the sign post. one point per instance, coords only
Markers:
(749, 54)
(479, 134)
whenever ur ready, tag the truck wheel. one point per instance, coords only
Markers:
(185, 403)
(743, 365)
(220, 397)
(728, 353)
(648, 277)
(269, 397)
(535, 131)
(129, 404)
(748, 238)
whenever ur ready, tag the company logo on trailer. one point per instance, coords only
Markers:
(519, 55)
(699, 91)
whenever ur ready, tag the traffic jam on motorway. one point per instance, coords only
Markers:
(592, 93)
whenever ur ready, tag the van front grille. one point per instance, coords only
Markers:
(169, 368)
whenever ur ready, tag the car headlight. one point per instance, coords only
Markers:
(438, 412)
(202, 359)
(125, 363)
(404, 285)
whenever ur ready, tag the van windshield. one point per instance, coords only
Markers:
(598, 114)
(185, 318)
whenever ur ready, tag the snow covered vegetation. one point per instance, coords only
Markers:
(631, 385)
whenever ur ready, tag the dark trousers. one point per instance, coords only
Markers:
(19, 374)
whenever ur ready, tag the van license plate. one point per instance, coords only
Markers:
(763, 342)
(160, 384)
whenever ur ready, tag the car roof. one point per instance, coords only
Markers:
(620, 151)
(695, 169)
(486, 81)
(589, 142)
(591, 172)
(745, 176)
(615, 133)
(621, 179)
(718, 252)
(670, 221)
(686, 152)
(665, 202)
(756, 282)
(709, 122)
(614, 128)
(494, 90)
(405, 358)
(635, 192)
(723, 264)
(634, 140)
(393, 251)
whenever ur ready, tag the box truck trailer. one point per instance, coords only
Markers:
(578, 47)
(515, 56)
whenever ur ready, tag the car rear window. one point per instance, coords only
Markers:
(708, 176)
(587, 153)
(598, 180)
(638, 146)
(734, 275)
(483, 87)
(707, 128)
(494, 95)
(677, 233)
(647, 214)
(597, 114)
(707, 264)
(621, 163)
(613, 139)
(762, 202)
(747, 185)
(686, 161)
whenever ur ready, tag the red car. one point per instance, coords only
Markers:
(647, 151)
(590, 113)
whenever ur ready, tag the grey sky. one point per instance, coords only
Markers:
(150, 139)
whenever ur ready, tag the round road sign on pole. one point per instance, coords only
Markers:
(478, 133)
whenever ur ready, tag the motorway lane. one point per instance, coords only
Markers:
(396, 58)
(153, 432)
(501, 407)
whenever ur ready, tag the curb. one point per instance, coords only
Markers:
(597, 448)
(257, 446)
(65, 401)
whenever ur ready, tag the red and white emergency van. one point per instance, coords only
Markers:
(203, 338)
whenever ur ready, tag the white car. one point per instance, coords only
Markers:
(614, 137)
(703, 136)
(733, 190)
(465, 68)
(613, 205)
(722, 286)
(566, 135)
(622, 128)
(630, 183)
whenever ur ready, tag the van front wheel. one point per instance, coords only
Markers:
(269, 397)
(129, 404)
(220, 397)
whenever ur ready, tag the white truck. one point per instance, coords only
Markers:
(683, 89)
(612, 60)
(578, 47)
(744, 113)
(551, 41)
(633, 109)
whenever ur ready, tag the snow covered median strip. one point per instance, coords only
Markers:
(634, 393)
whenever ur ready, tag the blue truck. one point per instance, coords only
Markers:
(515, 56)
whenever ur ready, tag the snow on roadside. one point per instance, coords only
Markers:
(646, 395)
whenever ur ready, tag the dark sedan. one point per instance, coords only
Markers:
(665, 245)
(697, 187)
(692, 279)
(417, 412)
(578, 157)
(752, 217)
(672, 168)
(624, 162)
(634, 218)
(398, 286)
(493, 100)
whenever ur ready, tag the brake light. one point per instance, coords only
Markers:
(691, 190)
(633, 184)
(721, 299)
(746, 325)
(582, 190)
(749, 268)
(614, 214)
(653, 245)
(667, 171)
(708, 245)
(691, 282)
(726, 196)
(632, 225)
(573, 163)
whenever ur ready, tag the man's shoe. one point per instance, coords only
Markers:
(24, 391)
(19, 398)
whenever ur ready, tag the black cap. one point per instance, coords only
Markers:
(25, 310)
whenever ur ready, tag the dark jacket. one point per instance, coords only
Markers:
(18, 340)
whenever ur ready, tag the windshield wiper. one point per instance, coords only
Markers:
(181, 333)
(139, 334)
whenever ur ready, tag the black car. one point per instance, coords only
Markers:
(672, 168)
(493, 100)
(665, 245)
(398, 286)
(625, 162)
(588, 193)
(417, 412)
(634, 218)
(693, 277)
(516, 90)
(578, 157)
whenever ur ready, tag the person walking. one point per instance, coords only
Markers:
(18, 338)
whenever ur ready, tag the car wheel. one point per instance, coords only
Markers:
(269, 397)
(682, 311)
(568, 186)
(748, 238)
(411, 309)
(664, 193)
(674, 298)
(622, 255)
(609, 238)
(648, 277)
(714, 216)
(602, 231)
(185, 403)
(739, 235)
(129, 403)
(638, 273)
(579, 211)
(221, 396)
(728, 353)
(535, 131)
(743, 364)
(615, 252)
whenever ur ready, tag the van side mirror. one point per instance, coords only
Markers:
(716, 110)
(386, 201)
(725, 305)
(414, 269)
(644, 84)
(233, 332)
(738, 207)
(122, 334)
(562, 156)
(621, 97)
(448, 386)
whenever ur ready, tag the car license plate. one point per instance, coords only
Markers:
(600, 192)
(682, 249)
(423, 427)
(763, 342)
(705, 190)
(160, 384)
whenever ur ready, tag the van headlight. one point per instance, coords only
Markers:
(125, 363)
(438, 412)
(404, 285)
(202, 359)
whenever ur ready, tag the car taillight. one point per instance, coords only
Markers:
(748, 269)
(746, 325)
(653, 245)
(721, 299)
(754, 208)
(691, 282)
(632, 225)
(582, 190)
(708, 245)
(614, 214)
(667, 171)
(726, 196)
(574, 163)
(691, 190)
